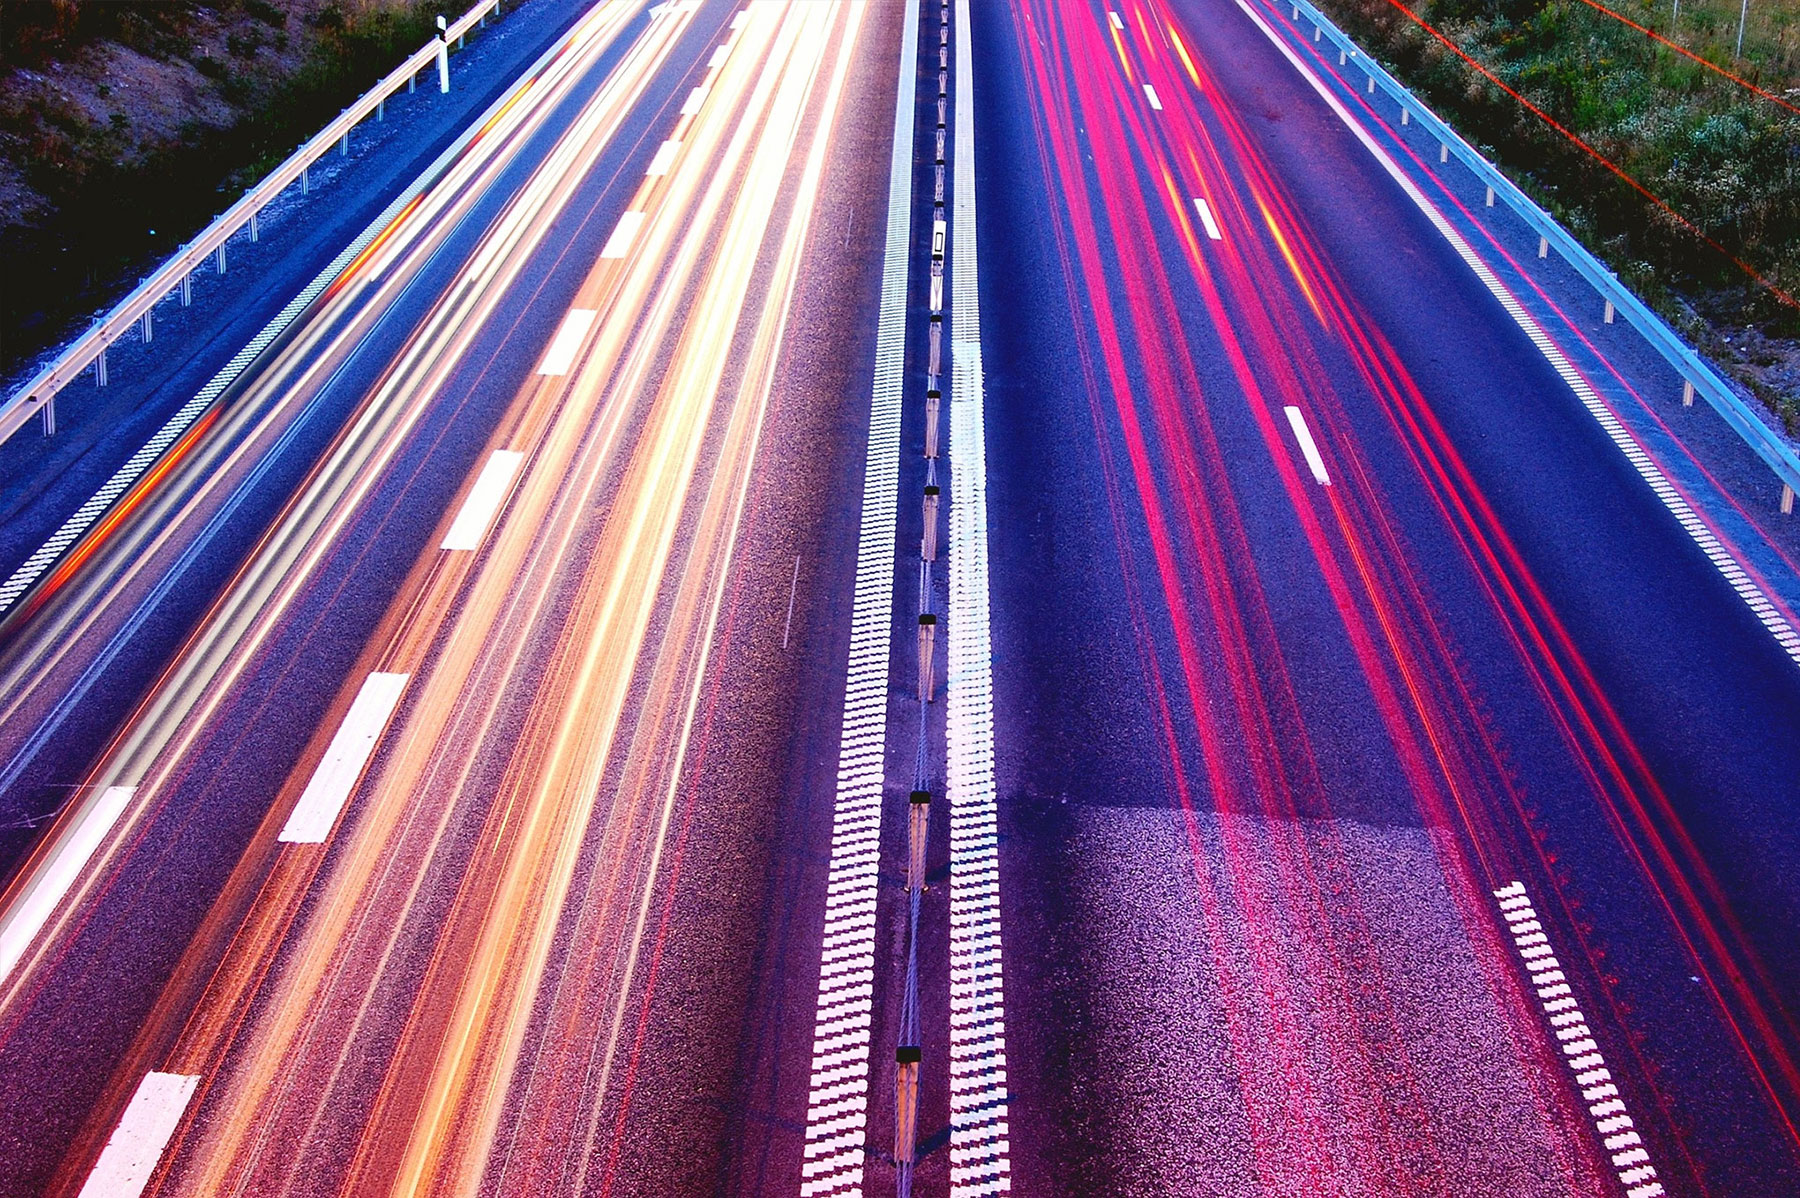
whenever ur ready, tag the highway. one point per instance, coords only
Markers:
(498, 758)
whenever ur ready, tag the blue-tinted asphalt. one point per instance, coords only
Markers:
(62, 1045)
(1700, 686)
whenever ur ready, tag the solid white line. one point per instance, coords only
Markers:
(561, 354)
(695, 99)
(51, 882)
(484, 500)
(1155, 100)
(1304, 435)
(1606, 1108)
(665, 158)
(336, 775)
(137, 1144)
(837, 1103)
(980, 1146)
(1206, 218)
(1114, 18)
(1646, 467)
(626, 231)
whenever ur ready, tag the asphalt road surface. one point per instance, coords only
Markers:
(1067, 618)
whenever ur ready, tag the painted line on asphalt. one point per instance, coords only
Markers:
(980, 1148)
(623, 234)
(50, 883)
(136, 1146)
(563, 347)
(1150, 94)
(695, 99)
(1605, 1106)
(345, 759)
(1116, 22)
(1206, 218)
(485, 497)
(1722, 559)
(1308, 446)
(838, 1093)
(665, 157)
(719, 55)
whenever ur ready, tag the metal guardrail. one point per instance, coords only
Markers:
(38, 397)
(1697, 374)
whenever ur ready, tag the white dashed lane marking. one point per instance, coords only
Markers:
(1206, 219)
(1308, 446)
(137, 1144)
(338, 771)
(561, 354)
(484, 499)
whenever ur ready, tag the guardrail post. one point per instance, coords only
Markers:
(1443, 151)
(256, 226)
(381, 109)
(1787, 500)
(1609, 311)
(443, 55)
(1543, 247)
(187, 290)
(1405, 115)
(306, 179)
(48, 414)
(100, 370)
(1687, 393)
(1317, 31)
(145, 322)
(221, 259)
(412, 83)
(1371, 85)
(1490, 197)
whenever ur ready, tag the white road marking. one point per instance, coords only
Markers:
(52, 880)
(345, 758)
(1150, 94)
(1114, 18)
(980, 1151)
(719, 55)
(665, 158)
(561, 354)
(484, 499)
(737, 22)
(623, 234)
(1308, 447)
(1728, 566)
(1569, 1028)
(137, 1144)
(838, 1097)
(695, 99)
(1206, 218)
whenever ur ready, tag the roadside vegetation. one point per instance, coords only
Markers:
(1721, 156)
(126, 125)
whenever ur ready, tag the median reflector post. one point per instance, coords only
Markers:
(1609, 311)
(1543, 247)
(928, 543)
(1687, 393)
(906, 1104)
(934, 399)
(918, 822)
(927, 640)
